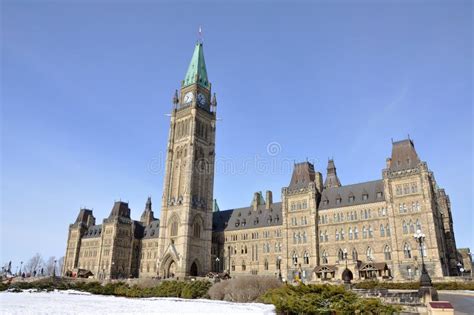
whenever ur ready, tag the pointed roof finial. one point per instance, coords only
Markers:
(175, 97)
(200, 39)
(148, 204)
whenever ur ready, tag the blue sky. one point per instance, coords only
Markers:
(86, 86)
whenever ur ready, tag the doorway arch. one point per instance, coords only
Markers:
(194, 270)
(171, 270)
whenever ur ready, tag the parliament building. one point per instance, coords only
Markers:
(318, 227)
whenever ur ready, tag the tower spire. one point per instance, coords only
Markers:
(197, 72)
(331, 178)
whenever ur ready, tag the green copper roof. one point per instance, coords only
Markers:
(197, 72)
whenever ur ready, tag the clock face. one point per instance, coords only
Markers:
(188, 97)
(201, 98)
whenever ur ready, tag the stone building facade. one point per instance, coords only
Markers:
(319, 227)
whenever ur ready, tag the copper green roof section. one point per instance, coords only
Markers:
(197, 72)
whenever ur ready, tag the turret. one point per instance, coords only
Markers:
(147, 215)
(331, 176)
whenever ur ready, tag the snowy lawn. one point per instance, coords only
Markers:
(74, 302)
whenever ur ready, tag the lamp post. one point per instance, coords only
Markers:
(217, 264)
(279, 268)
(347, 275)
(228, 250)
(425, 280)
(21, 265)
(112, 270)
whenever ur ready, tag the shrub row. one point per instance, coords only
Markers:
(413, 285)
(188, 290)
(243, 289)
(323, 299)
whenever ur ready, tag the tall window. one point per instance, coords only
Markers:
(356, 233)
(418, 224)
(304, 237)
(364, 232)
(371, 231)
(340, 255)
(387, 253)
(295, 258)
(174, 228)
(324, 257)
(337, 235)
(306, 258)
(342, 234)
(387, 230)
(350, 233)
(405, 228)
(369, 253)
(197, 230)
(412, 227)
(407, 250)
(321, 237)
(244, 266)
(265, 264)
(382, 230)
(355, 256)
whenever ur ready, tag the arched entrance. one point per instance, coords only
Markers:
(194, 270)
(171, 270)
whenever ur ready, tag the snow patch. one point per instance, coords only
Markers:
(77, 302)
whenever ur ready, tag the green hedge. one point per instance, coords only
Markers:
(187, 290)
(413, 285)
(323, 299)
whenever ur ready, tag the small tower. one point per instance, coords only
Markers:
(331, 177)
(147, 215)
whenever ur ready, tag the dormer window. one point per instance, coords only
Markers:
(244, 222)
(237, 223)
(379, 195)
(365, 196)
(338, 201)
(325, 202)
(239, 214)
(255, 222)
(351, 199)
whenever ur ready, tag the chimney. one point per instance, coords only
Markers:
(268, 200)
(256, 199)
(389, 162)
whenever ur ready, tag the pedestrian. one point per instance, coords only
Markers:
(34, 273)
(42, 271)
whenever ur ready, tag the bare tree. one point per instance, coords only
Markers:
(35, 263)
(50, 266)
(59, 269)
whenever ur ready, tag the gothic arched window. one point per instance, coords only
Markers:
(197, 229)
(355, 256)
(174, 228)
(405, 228)
(407, 250)
(369, 253)
(294, 258)
(324, 257)
(387, 253)
(340, 255)
(412, 227)
(382, 230)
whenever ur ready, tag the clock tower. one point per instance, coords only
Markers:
(186, 211)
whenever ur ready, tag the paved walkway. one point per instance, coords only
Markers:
(463, 303)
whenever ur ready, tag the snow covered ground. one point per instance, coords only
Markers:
(74, 302)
